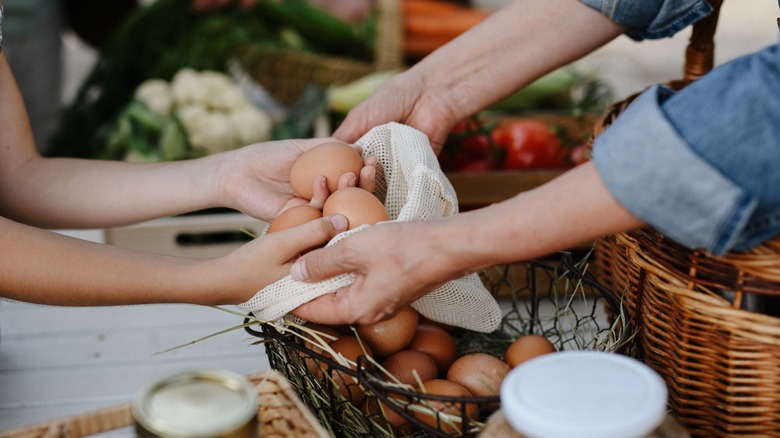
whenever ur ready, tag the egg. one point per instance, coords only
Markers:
(425, 320)
(327, 335)
(330, 160)
(404, 364)
(437, 343)
(451, 424)
(294, 216)
(527, 347)
(391, 335)
(359, 206)
(385, 416)
(350, 348)
(480, 373)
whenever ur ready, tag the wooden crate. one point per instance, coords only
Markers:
(478, 189)
(195, 236)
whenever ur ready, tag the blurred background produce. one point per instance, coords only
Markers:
(169, 84)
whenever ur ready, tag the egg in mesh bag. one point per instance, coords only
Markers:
(412, 187)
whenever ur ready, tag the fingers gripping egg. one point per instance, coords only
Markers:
(330, 160)
(294, 216)
(359, 206)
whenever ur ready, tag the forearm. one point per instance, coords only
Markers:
(76, 193)
(570, 210)
(509, 50)
(45, 267)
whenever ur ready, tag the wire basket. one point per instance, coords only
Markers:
(556, 299)
(285, 72)
(709, 325)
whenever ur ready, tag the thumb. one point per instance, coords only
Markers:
(310, 234)
(320, 264)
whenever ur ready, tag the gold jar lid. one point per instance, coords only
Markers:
(196, 404)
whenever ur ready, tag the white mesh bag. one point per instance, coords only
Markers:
(413, 188)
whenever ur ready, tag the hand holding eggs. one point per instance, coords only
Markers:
(331, 160)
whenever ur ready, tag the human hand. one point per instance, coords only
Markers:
(394, 264)
(403, 99)
(268, 259)
(256, 178)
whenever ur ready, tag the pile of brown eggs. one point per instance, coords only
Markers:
(331, 160)
(409, 349)
(414, 351)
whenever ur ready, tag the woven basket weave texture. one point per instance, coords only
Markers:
(695, 313)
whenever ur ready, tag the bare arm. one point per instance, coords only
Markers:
(41, 266)
(78, 193)
(507, 51)
(570, 210)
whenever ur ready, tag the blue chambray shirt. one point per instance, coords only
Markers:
(702, 165)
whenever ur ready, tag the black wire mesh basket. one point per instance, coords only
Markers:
(557, 299)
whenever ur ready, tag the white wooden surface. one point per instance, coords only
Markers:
(56, 362)
(61, 361)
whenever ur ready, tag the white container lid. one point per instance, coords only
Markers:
(197, 403)
(583, 394)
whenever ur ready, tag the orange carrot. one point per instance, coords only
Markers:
(446, 23)
(427, 6)
(418, 46)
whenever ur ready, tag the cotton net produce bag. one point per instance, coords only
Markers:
(413, 188)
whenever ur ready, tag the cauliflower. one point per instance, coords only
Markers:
(213, 111)
(250, 125)
(187, 87)
(156, 94)
(213, 133)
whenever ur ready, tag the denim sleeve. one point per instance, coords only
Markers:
(702, 165)
(652, 19)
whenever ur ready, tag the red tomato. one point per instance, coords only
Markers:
(468, 142)
(476, 166)
(528, 144)
(579, 154)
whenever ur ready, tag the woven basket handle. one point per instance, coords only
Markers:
(389, 50)
(700, 54)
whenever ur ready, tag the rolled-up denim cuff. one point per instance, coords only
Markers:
(653, 173)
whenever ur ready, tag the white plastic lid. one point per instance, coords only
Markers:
(583, 394)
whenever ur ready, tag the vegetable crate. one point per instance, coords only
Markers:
(709, 325)
(559, 300)
(196, 235)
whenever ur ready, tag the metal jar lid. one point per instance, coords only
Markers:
(583, 394)
(196, 404)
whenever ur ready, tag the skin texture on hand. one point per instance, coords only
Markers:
(505, 52)
(570, 210)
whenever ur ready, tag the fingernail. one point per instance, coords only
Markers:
(339, 222)
(298, 271)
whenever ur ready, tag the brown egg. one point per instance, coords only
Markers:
(330, 160)
(312, 343)
(385, 416)
(425, 320)
(358, 205)
(348, 386)
(451, 424)
(391, 335)
(404, 364)
(480, 373)
(437, 343)
(527, 347)
(294, 216)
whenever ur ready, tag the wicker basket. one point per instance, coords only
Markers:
(536, 288)
(286, 72)
(281, 414)
(695, 313)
